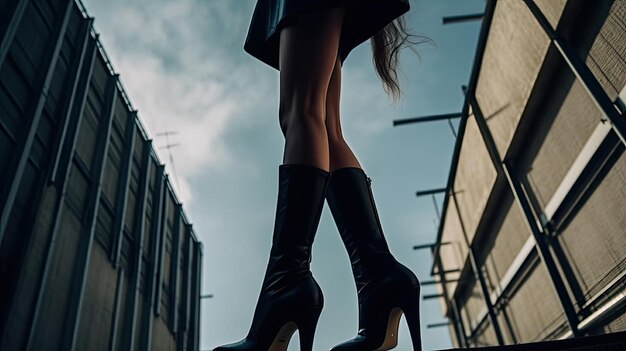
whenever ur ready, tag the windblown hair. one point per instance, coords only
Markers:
(386, 45)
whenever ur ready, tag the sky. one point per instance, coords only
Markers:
(183, 66)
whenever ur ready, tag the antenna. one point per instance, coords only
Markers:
(169, 147)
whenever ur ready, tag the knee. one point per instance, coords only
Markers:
(335, 136)
(300, 118)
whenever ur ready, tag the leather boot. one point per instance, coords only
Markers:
(385, 287)
(290, 298)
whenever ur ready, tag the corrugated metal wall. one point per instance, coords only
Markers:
(95, 250)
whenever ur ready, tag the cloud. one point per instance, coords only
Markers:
(182, 79)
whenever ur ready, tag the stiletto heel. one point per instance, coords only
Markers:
(412, 316)
(306, 329)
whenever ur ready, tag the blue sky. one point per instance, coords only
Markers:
(183, 66)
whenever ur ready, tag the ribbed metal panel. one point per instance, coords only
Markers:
(75, 158)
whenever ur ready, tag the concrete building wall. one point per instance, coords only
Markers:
(539, 178)
(95, 250)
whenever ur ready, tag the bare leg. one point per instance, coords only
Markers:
(308, 49)
(340, 153)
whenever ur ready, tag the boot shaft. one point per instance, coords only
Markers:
(299, 207)
(351, 201)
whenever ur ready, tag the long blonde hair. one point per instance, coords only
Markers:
(386, 45)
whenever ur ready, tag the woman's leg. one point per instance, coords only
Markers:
(308, 51)
(340, 153)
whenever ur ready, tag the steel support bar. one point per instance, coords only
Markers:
(583, 73)
(186, 288)
(432, 118)
(430, 192)
(131, 314)
(20, 155)
(458, 327)
(157, 208)
(194, 341)
(93, 205)
(428, 246)
(8, 26)
(519, 192)
(174, 262)
(462, 18)
(461, 337)
(115, 321)
(433, 282)
(68, 125)
(437, 325)
(433, 296)
(162, 239)
(68, 150)
(122, 189)
(478, 275)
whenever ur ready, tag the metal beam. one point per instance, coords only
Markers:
(433, 282)
(69, 125)
(432, 118)
(174, 262)
(162, 239)
(463, 18)
(530, 219)
(428, 246)
(157, 200)
(433, 296)
(119, 288)
(583, 73)
(430, 192)
(138, 229)
(122, 189)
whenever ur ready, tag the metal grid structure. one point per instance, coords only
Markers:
(96, 252)
(532, 238)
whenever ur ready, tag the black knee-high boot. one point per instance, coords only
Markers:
(290, 298)
(385, 288)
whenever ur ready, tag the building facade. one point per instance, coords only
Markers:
(532, 239)
(96, 252)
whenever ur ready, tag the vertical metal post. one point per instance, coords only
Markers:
(119, 288)
(544, 252)
(68, 125)
(67, 155)
(17, 162)
(162, 239)
(478, 274)
(195, 338)
(122, 190)
(516, 188)
(93, 204)
(139, 228)
(8, 26)
(174, 267)
(187, 284)
(459, 319)
(583, 73)
(157, 208)
(451, 309)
